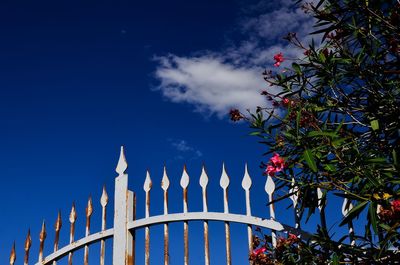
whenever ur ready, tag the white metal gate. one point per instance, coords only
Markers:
(125, 222)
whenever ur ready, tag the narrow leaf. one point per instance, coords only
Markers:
(309, 157)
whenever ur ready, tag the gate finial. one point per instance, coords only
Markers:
(122, 164)
(13, 256)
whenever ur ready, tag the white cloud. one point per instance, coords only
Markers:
(214, 82)
(209, 84)
(185, 150)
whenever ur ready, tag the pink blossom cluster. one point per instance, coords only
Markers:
(275, 164)
(278, 59)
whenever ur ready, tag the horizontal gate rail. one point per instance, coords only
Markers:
(209, 216)
(76, 245)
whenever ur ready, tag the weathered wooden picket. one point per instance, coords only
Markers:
(125, 222)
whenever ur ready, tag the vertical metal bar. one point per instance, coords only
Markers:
(165, 186)
(224, 183)
(123, 208)
(133, 233)
(129, 236)
(246, 185)
(203, 184)
(346, 208)
(270, 188)
(89, 211)
(42, 238)
(13, 256)
(27, 246)
(147, 187)
(57, 228)
(103, 202)
(72, 220)
(184, 184)
(294, 197)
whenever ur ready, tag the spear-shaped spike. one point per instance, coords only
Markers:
(42, 238)
(147, 183)
(28, 241)
(346, 207)
(58, 224)
(13, 256)
(224, 180)
(27, 246)
(246, 181)
(72, 215)
(269, 185)
(89, 207)
(203, 178)
(185, 178)
(104, 197)
(122, 164)
(57, 227)
(165, 180)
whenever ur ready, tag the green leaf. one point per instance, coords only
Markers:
(375, 125)
(309, 157)
(335, 259)
(296, 68)
(394, 155)
(372, 216)
(354, 212)
(321, 133)
(377, 160)
(330, 167)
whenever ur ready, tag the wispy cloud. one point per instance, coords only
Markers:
(214, 82)
(185, 150)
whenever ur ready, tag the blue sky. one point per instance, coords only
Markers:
(80, 78)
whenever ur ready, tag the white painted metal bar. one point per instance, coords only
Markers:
(89, 211)
(123, 209)
(147, 187)
(72, 220)
(57, 228)
(165, 186)
(42, 238)
(103, 202)
(270, 188)
(246, 185)
(184, 184)
(346, 208)
(203, 184)
(133, 232)
(130, 246)
(294, 197)
(224, 183)
(27, 246)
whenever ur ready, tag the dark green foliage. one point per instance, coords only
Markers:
(338, 124)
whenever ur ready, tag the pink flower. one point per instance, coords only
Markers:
(285, 102)
(396, 206)
(271, 170)
(276, 164)
(278, 161)
(278, 59)
(259, 251)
